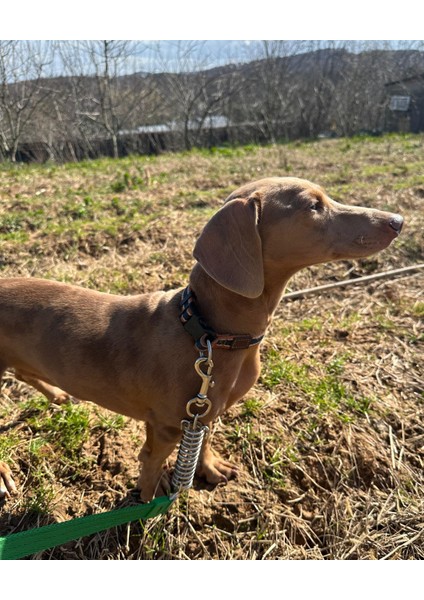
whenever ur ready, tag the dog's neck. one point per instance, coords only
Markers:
(229, 312)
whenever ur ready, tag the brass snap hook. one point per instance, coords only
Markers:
(202, 401)
(206, 377)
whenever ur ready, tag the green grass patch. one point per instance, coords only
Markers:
(41, 494)
(275, 469)
(130, 181)
(8, 442)
(65, 428)
(251, 408)
(109, 421)
(277, 370)
(324, 385)
(418, 309)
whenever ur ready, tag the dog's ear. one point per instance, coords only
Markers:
(230, 249)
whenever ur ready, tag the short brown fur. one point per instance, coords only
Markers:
(132, 355)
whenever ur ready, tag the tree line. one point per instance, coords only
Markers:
(69, 100)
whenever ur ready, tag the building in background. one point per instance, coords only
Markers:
(405, 105)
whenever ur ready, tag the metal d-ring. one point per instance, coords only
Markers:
(201, 403)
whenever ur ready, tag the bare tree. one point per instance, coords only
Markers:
(193, 91)
(23, 65)
(107, 95)
(268, 95)
(319, 68)
(92, 97)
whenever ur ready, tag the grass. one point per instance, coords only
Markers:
(328, 441)
(66, 429)
(418, 309)
(325, 387)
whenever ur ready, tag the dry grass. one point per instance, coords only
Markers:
(330, 440)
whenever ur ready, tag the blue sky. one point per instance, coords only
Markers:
(186, 55)
(176, 55)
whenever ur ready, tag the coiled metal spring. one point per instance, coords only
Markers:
(188, 454)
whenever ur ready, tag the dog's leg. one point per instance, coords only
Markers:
(51, 392)
(159, 444)
(7, 485)
(214, 468)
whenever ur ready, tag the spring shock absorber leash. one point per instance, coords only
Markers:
(198, 407)
(193, 429)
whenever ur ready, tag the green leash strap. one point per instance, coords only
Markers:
(18, 545)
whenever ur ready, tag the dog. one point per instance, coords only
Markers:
(134, 355)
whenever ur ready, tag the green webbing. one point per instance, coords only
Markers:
(18, 545)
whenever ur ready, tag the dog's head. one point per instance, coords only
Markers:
(284, 224)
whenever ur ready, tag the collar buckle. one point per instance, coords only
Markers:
(194, 324)
(233, 342)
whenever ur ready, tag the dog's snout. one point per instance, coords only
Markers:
(396, 223)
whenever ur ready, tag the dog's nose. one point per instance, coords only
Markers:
(396, 223)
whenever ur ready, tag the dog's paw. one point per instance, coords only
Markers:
(216, 470)
(63, 398)
(7, 485)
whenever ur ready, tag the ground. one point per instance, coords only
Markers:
(329, 441)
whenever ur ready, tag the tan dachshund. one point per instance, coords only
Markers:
(133, 355)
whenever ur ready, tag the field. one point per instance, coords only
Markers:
(329, 441)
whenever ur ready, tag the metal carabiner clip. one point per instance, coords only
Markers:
(201, 400)
(206, 377)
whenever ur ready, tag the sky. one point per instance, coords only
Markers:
(150, 56)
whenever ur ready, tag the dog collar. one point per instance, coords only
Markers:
(195, 325)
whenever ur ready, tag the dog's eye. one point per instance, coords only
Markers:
(316, 206)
